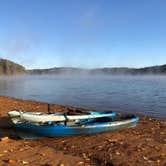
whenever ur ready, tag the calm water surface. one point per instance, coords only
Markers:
(133, 94)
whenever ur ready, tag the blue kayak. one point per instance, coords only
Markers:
(97, 125)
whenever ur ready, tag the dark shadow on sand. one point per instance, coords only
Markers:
(6, 128)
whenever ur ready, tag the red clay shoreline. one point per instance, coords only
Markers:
(144, 144)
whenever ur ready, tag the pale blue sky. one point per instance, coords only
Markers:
(83, 33)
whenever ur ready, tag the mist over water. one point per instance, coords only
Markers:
(144, 95)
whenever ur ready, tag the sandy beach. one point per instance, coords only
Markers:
(142, 145)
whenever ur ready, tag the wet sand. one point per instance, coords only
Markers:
(142, 145)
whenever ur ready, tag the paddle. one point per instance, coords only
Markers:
(49, 109)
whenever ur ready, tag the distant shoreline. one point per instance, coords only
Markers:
(9, 68)
(155, 70)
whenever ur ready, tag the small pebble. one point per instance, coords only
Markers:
(1, 155)
(112, 140)
(25, 162)
(21, 149)
(26, 142)
(84, 155)
(80, 163)
(145, 158)
(117, 153)
(148, 139)
(87, 159)
(143, 149)
(10, 161)
(5, 139)
(150, 161)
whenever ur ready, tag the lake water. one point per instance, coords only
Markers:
(132, 94)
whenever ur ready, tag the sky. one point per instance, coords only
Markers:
(83, 33)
